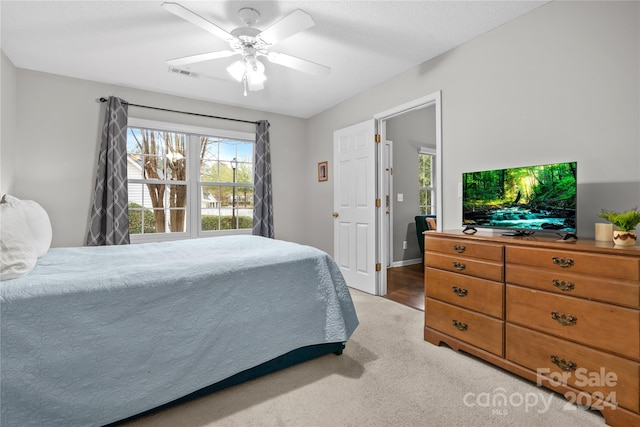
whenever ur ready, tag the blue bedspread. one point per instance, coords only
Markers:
(97, 334)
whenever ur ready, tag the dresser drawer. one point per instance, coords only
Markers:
(486, 251)
(579, 285)
(468, 266)
(611, 378)
(472, 293)
(599, 325)
(476, 329)
(618, 267)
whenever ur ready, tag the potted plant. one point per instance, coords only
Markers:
(626, 222)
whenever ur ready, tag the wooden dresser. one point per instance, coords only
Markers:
(565, 314)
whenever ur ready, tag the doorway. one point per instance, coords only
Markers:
(392, 238)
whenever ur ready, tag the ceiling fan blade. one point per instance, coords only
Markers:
(291, 24)
(185, 60)
(299, 64)
(198, 20)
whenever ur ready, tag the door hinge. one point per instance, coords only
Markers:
(377, 138)
(378, 266)
(378, 203)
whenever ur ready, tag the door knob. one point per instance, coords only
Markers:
(336, 214)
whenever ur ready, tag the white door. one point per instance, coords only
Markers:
(354, 231)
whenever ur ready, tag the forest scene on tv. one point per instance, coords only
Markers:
(531, 198)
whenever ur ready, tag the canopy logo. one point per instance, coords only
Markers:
(498, 400)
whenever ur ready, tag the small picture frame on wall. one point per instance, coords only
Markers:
(323, 171)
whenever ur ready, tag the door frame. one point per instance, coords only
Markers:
(433, 99)
(387, 200)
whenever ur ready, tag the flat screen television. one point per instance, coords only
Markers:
(522, 200)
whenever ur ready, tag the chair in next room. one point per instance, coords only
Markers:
(424, 223)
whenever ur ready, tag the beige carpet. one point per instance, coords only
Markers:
(387, 376)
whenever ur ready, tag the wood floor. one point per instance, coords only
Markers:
(406, 285)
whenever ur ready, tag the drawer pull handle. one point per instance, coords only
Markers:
(562, 285)
(563, 364)
(459, 266)
(460, 325)
(562, 262)
(459, 248)
(461, 292)
(563, 319)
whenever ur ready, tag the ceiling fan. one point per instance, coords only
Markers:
(251, 44)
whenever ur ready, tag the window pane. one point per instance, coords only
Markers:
(153, 195)
(226, 207)
(209, 162)
(424, 171)
(156, 155)
(140, 219)
(177, 223)
(244, 173)
(244, 207)
(157, 208)
(210, 208)
(426, 206)
(244, 198)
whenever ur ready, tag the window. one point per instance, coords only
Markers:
(226, 185)
(186, 181)
(426, 185)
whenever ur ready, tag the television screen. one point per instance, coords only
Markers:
(522, 199)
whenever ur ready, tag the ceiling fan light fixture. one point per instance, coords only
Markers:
(237, 70)
(250, 72)
(255, 71)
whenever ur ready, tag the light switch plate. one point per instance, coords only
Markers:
(400, 197)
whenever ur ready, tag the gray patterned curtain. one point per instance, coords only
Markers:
(109, 224)
(262, 193)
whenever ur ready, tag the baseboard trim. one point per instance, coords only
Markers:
(406, 262)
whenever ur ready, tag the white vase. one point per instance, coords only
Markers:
(624, 238)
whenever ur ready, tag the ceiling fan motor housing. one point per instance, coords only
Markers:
(249, 16)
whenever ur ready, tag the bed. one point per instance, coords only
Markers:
(95, 335)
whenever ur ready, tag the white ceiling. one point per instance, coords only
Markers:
(126, 43)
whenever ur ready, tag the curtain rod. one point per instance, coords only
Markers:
(184, 112)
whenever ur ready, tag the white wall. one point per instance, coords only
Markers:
(7, 123)
(57, 140)
(557, 84)
(560, 83)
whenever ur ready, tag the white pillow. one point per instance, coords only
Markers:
(38, 221)
(40, 225)
(17, 249)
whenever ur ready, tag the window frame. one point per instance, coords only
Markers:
(432, 188)
(193, 226)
